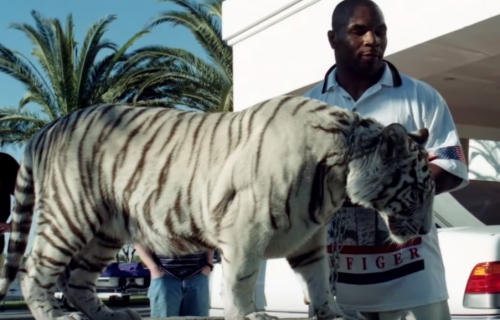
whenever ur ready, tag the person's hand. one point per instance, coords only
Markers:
(156, 273)
(4, 227)
(206, 270)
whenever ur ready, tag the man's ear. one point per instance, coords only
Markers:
(332, 39)
(394, 141)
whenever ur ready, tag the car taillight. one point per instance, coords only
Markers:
(484, 278)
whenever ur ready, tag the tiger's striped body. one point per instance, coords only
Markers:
(260, 183)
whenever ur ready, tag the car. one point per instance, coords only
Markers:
(471, 257)
(117, 284)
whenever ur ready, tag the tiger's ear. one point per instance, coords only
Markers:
(394, 141)
(421, 136)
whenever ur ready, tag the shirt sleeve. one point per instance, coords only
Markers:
(444, 145)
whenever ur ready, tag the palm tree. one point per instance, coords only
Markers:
(70, 77)
(179, 76)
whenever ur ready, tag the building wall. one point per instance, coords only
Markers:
(280, 46)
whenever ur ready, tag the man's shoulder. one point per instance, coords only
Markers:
(420, 88)
(316, 92)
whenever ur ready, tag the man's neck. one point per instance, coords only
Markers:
(356, 84)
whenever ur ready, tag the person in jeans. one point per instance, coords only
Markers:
(179, 285)
(381, 280)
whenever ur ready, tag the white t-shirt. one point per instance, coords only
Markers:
(373, 276)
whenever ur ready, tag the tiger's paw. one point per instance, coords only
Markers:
(127, 314)
(260, 316)
(352, 314)
(343, 317)
(335, 312)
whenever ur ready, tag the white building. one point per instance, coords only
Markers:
(281, 47)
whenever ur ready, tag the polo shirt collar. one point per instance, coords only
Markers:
(390, 77)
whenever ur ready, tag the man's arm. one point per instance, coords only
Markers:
(148, 260)
(210, 257)
(444, 180)
(210, 262)
(447, 160)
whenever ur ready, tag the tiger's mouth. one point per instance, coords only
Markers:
(402, 230)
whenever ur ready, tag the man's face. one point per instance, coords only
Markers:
(361, 41)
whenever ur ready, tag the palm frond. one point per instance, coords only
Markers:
(16, 67)
(92, 45)
(69, 77)
(204, 22)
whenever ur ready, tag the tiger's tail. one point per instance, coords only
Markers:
(22, 216)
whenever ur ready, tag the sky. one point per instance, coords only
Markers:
(132, 15)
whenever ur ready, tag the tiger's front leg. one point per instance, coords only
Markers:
(242, 247)
(310, 264)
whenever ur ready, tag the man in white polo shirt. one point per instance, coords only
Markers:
(382, 281)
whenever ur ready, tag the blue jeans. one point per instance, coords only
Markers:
(171, 297)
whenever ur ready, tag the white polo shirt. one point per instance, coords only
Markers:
(374, 276)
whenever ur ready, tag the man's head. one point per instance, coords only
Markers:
(358, 36)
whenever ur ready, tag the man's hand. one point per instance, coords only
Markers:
(444, 180)
(4, 227)
(156, 273)
(206, 270)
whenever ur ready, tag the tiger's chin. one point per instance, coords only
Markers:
(398, 234)
(400, 239)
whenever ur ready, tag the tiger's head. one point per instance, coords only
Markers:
(389, 172)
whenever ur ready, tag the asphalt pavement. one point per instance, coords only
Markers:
(26, 315)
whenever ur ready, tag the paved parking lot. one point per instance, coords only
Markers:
(26, 315)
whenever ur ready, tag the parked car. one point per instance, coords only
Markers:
(117, 283)
(131, 278)
(472, 262)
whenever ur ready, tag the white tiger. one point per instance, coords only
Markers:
(260, 183)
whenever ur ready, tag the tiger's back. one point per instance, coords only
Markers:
(116, 165)
(126, 162)
(255, 183)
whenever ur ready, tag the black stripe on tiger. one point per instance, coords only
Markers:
(306, 259)
(84, 264)
(253, 112)
(47, 286)
(317, 193)
(87, 195)
(299, 106)
(265, 128)
(75, 230)
(288, 209)
(240, 128)
(196, 133)
(67, 192)
(230, 135)
(272, 218)
(68, 251)
(162, 178)
(133, 182)
(89, 287)
(320, 108)
(246, 277)
(212, 135)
